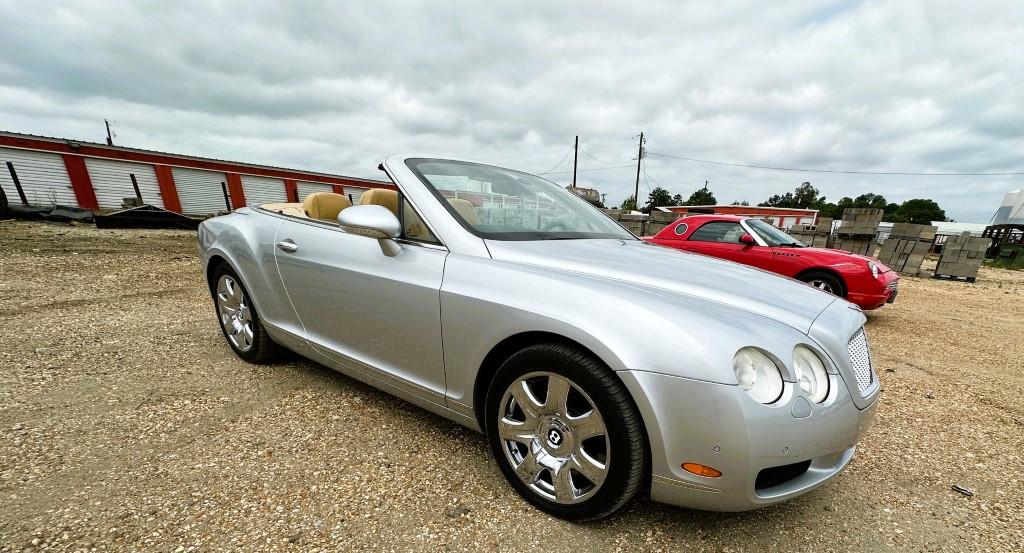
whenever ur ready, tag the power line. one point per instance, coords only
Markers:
(557, 164)
(805, 170)
(652, 178)
(607, 168)
(588, 154)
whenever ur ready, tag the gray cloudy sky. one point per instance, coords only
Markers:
(881, 86)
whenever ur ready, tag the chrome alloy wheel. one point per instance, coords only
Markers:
(554, 437)
(235, 315)
(822, 285)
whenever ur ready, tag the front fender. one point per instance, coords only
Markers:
(244, 239)
(628, 326)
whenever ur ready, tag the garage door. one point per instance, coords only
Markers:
(354, 192)
(263, 190)
(43, 178)
(307, 188)
(200, 191)
(112, 182)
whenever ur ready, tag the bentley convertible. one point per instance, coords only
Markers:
(597, 365)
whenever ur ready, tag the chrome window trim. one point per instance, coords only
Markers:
(337, 227)
(683, 226)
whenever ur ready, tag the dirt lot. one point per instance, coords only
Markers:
(126, 423)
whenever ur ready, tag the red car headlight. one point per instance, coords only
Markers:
(875, 271)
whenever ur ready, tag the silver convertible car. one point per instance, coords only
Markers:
(597, 365)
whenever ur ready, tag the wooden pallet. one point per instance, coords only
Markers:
(954, 277)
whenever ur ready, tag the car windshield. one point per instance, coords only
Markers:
(502, 204)
(773, 236)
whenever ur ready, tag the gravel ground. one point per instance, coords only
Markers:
(127, 424)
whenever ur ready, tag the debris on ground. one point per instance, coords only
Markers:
(127, 424)
(962, 490)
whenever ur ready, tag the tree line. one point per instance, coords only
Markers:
(805, 196)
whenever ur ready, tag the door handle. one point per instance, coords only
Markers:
(288, 246)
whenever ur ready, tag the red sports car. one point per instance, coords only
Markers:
(862, 280)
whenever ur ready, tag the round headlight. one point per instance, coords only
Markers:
(810, 373)
(758, 375)
(875, 271)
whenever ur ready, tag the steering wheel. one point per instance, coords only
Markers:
(554, 225)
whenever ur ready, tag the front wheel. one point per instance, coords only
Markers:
(565, 432)
(238, 318)
(825, 282)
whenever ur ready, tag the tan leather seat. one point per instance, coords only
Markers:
(325, 205)
(381, 196)
(466, 209)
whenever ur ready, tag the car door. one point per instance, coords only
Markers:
(358, 305)
(722, 239)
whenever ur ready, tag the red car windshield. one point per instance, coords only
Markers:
(773, 236)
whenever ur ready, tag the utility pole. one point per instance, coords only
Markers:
(639, 158)
(575, 158)
(110, 137)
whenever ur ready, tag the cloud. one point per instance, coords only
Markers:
(889, 85)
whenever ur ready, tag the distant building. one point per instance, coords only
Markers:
(1012, 210)
(76, 173)
(781, 217)
(955, 229)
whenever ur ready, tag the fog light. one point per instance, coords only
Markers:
(702, 470)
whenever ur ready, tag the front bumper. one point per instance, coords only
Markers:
(877, 298)
(720, 426)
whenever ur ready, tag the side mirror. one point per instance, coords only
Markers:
(373, 221)
(747, 240)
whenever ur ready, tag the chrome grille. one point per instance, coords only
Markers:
(860, 359)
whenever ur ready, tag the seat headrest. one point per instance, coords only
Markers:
(325, 205)
(466, 210)
(382, 197)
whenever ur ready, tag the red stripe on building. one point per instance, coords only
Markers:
(291, 189)
(169, 192)
(235, 190)
(80, 182)
(338, 189)
(113, 152)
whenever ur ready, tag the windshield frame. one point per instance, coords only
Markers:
(754, 224)
(413, 165)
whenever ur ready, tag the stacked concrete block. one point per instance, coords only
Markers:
(906, 247)
(634, 222)
(860, 245)
(860, 221)
(913, 231)
(816, 236)
(857, 230)
(658, 220)
(962, 256)
(904, 255)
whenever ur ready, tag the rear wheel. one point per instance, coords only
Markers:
(565, 432)
(825, 282)
(238, 318)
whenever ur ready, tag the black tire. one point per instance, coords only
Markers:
(262, 349)
(821, 279)
(627, 450)
(4, 212)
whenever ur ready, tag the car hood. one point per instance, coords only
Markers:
(739, 286)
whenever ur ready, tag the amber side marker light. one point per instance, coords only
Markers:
(701, 470)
